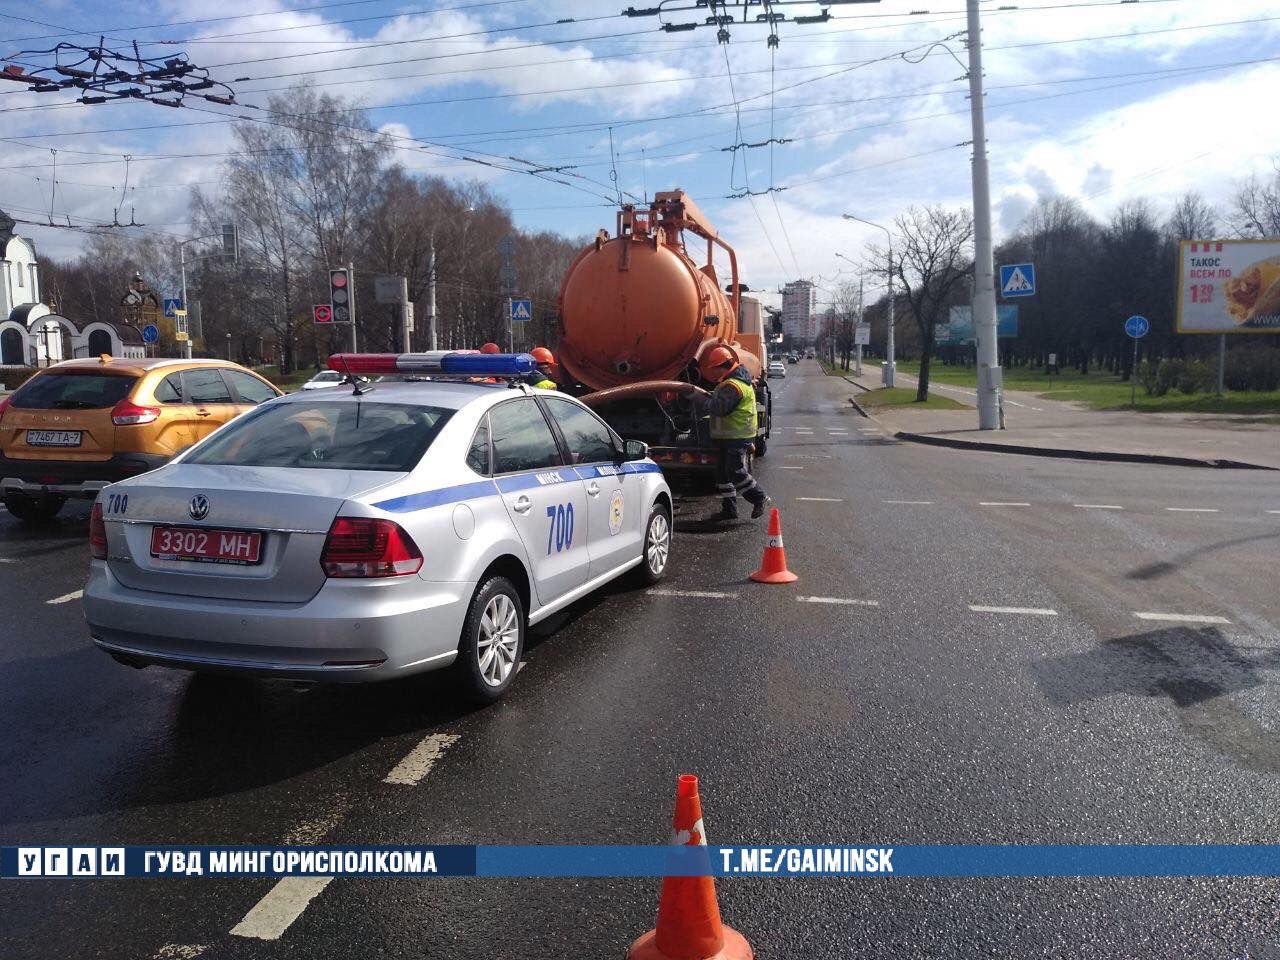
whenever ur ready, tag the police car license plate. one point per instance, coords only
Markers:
(53, 438)
(207, 546)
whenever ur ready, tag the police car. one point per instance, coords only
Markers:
(371, 531)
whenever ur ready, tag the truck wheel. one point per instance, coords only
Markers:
(762, 445)
(34, 510)
(492, 641)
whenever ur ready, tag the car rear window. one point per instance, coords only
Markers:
(72, 391)
(342, 435)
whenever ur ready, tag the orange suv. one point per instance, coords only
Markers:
(79, 425)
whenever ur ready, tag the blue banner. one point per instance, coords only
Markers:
(1130, 860)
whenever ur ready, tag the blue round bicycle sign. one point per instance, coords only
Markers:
(1137, 327)
(150, 333)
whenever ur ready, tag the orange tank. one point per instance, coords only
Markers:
(636, 307)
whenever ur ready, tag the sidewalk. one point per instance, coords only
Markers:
(1054, 428)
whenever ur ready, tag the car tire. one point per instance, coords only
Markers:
(657, 546)
(34, 510)
(762, 446)
(487, 659)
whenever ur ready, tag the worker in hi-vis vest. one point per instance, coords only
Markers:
(543, 377)
(732, 409)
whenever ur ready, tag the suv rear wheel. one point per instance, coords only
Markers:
(34, 510)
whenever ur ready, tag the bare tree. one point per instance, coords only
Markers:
(931, 248)
(1256, 206)
(1192, 219)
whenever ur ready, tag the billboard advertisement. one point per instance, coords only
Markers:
(960, 330)
(1229, 286)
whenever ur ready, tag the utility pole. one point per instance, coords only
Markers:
(857, 365)
(984, 289)
(351, 285)
(889, 368)
(406, 315)
(431, 297)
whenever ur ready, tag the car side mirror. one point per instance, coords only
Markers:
(634, 450)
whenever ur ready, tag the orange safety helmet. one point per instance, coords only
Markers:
(543, 355)
(490, 347)
(717, 363)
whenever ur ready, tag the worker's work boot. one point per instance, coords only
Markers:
(758, 508)
(728, 510)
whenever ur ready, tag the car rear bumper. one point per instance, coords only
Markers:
(73, 478)
(349, 632)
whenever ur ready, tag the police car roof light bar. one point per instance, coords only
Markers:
(440, 363)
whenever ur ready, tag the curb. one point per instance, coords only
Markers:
(1062, 453)
(857, 406)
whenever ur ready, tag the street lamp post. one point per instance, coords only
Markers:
(889, 367)
(228, 346)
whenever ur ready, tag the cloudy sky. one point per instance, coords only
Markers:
(1102, 101)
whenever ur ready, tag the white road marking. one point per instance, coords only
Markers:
(10, 561)
(868, 430)
(1191, 509)
(997, 503)
(696, 594)
(180, 951)
(283, 904)
(911, 503)
(1181, 617)
(1097, 506)
(837, 431)
(312, 831)
(792, 468)
(67, 597)
(1029, 611)
(820, 499)
(846, 601)
(419, 761)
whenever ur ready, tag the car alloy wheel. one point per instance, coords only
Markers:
(658, 543)
(498, 640)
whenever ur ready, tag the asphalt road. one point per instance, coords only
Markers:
(1052, 714)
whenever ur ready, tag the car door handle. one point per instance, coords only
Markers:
(593, 488)
(202, 413)
(522, 504)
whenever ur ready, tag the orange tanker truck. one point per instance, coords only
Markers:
(636, 314)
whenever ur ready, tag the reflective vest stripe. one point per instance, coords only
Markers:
(740, 422)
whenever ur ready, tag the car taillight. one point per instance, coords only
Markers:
(97, 533)
(4, 403)
(364, 547)
(126, 412)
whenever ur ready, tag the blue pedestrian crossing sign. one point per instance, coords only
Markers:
(1018, 280)
(150, 333)
(521, 311)
(1137, 327)
(172, 306)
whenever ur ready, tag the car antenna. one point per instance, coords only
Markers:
(355, 384)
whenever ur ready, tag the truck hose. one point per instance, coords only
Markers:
(649, 388)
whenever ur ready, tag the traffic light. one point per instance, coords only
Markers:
(340, 295)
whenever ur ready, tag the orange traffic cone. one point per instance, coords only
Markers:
(689, 926)
(773, 568)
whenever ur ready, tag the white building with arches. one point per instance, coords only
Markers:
(32, 335)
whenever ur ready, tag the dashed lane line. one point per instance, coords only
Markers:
(842, 601)
(1097, 506)
(419, 761)
(1269, 511)
(693, 594)
(1192, 509)
(66, 597)
(180, 951)
(998, 503)
(785, 467)
(820, 499)
(272, 915)
(314, 830)
(910, 503)
(1024, 611)
(1181, 618)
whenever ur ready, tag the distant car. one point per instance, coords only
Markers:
(776, 369)
(793, 359)
(809, 354)
(79, 425)
(323, 379)
(357, 537)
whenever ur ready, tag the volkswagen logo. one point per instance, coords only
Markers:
(199, 508)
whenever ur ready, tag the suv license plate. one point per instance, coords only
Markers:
(53, 438)
(207, 546)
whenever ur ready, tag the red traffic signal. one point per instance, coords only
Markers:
(341, 296)
(322, 313)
